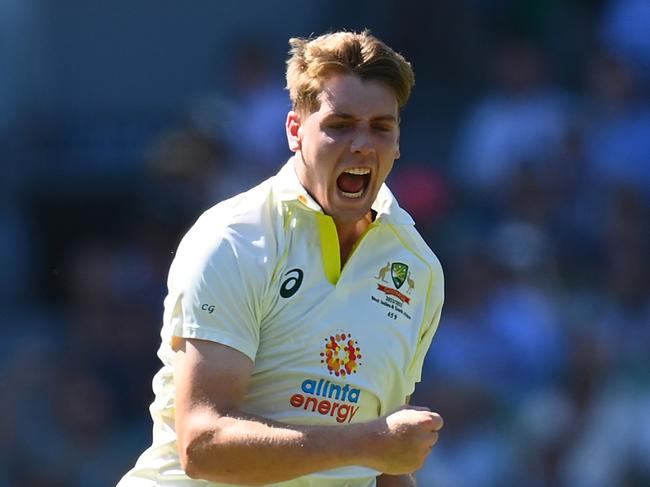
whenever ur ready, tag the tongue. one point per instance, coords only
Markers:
(351, 183)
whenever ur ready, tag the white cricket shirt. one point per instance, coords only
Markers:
(261, 273)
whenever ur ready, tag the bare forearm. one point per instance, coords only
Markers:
(396, 481)
(248, 450)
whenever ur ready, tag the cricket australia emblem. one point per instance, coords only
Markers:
(392, 297)
(398, 272)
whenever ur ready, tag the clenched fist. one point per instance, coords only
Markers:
(403, 439)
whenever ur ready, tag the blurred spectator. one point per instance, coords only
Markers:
(249, 122)
(261, 103)
(15, 254)
(424, 193)
(15, 20)
(618, 457)
(112, 319)
(624, 30)
(618, 124)
(500, 339)
(522, 122)
(187, 172)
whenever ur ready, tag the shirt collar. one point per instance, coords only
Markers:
(288, 188)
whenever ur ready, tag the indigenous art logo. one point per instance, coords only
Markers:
(341, 355)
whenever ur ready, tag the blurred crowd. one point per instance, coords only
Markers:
(526, 165)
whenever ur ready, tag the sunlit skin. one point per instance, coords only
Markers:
(356, 126)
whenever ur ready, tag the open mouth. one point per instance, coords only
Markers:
(353, 182)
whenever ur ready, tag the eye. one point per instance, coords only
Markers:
(338, 125)
(384, 128)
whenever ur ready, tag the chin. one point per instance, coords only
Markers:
(350, 210)
(348, 214)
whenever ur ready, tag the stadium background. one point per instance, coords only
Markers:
(526, 163)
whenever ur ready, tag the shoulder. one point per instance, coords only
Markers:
(413, 241)
(403, 226)
(244, 228)
(247, 211)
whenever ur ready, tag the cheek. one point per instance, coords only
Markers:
(388, 144)
(389, 150)
(317, 143)
(386, 167)
(327, 152)
(329, 144)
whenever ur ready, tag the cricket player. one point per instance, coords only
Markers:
(299, 312)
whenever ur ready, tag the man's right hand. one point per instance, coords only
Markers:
(404, 439)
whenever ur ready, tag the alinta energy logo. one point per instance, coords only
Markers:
(341, 355)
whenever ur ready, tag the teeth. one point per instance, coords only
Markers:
(353, 195)
(360, 171)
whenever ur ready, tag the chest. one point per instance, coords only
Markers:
(364, 327)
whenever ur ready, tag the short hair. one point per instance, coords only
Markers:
(313, 60)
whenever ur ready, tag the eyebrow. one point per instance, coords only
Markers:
(349, 116)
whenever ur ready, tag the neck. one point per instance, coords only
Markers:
(349, 234)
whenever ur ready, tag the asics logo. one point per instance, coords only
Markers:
(291, 285)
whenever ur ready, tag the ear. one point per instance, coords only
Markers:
(292, 127)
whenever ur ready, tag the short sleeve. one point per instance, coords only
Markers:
(429, 330)
(215, 285)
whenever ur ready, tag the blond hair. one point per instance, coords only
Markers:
(313, 60)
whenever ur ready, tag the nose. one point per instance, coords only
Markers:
(362, 143)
